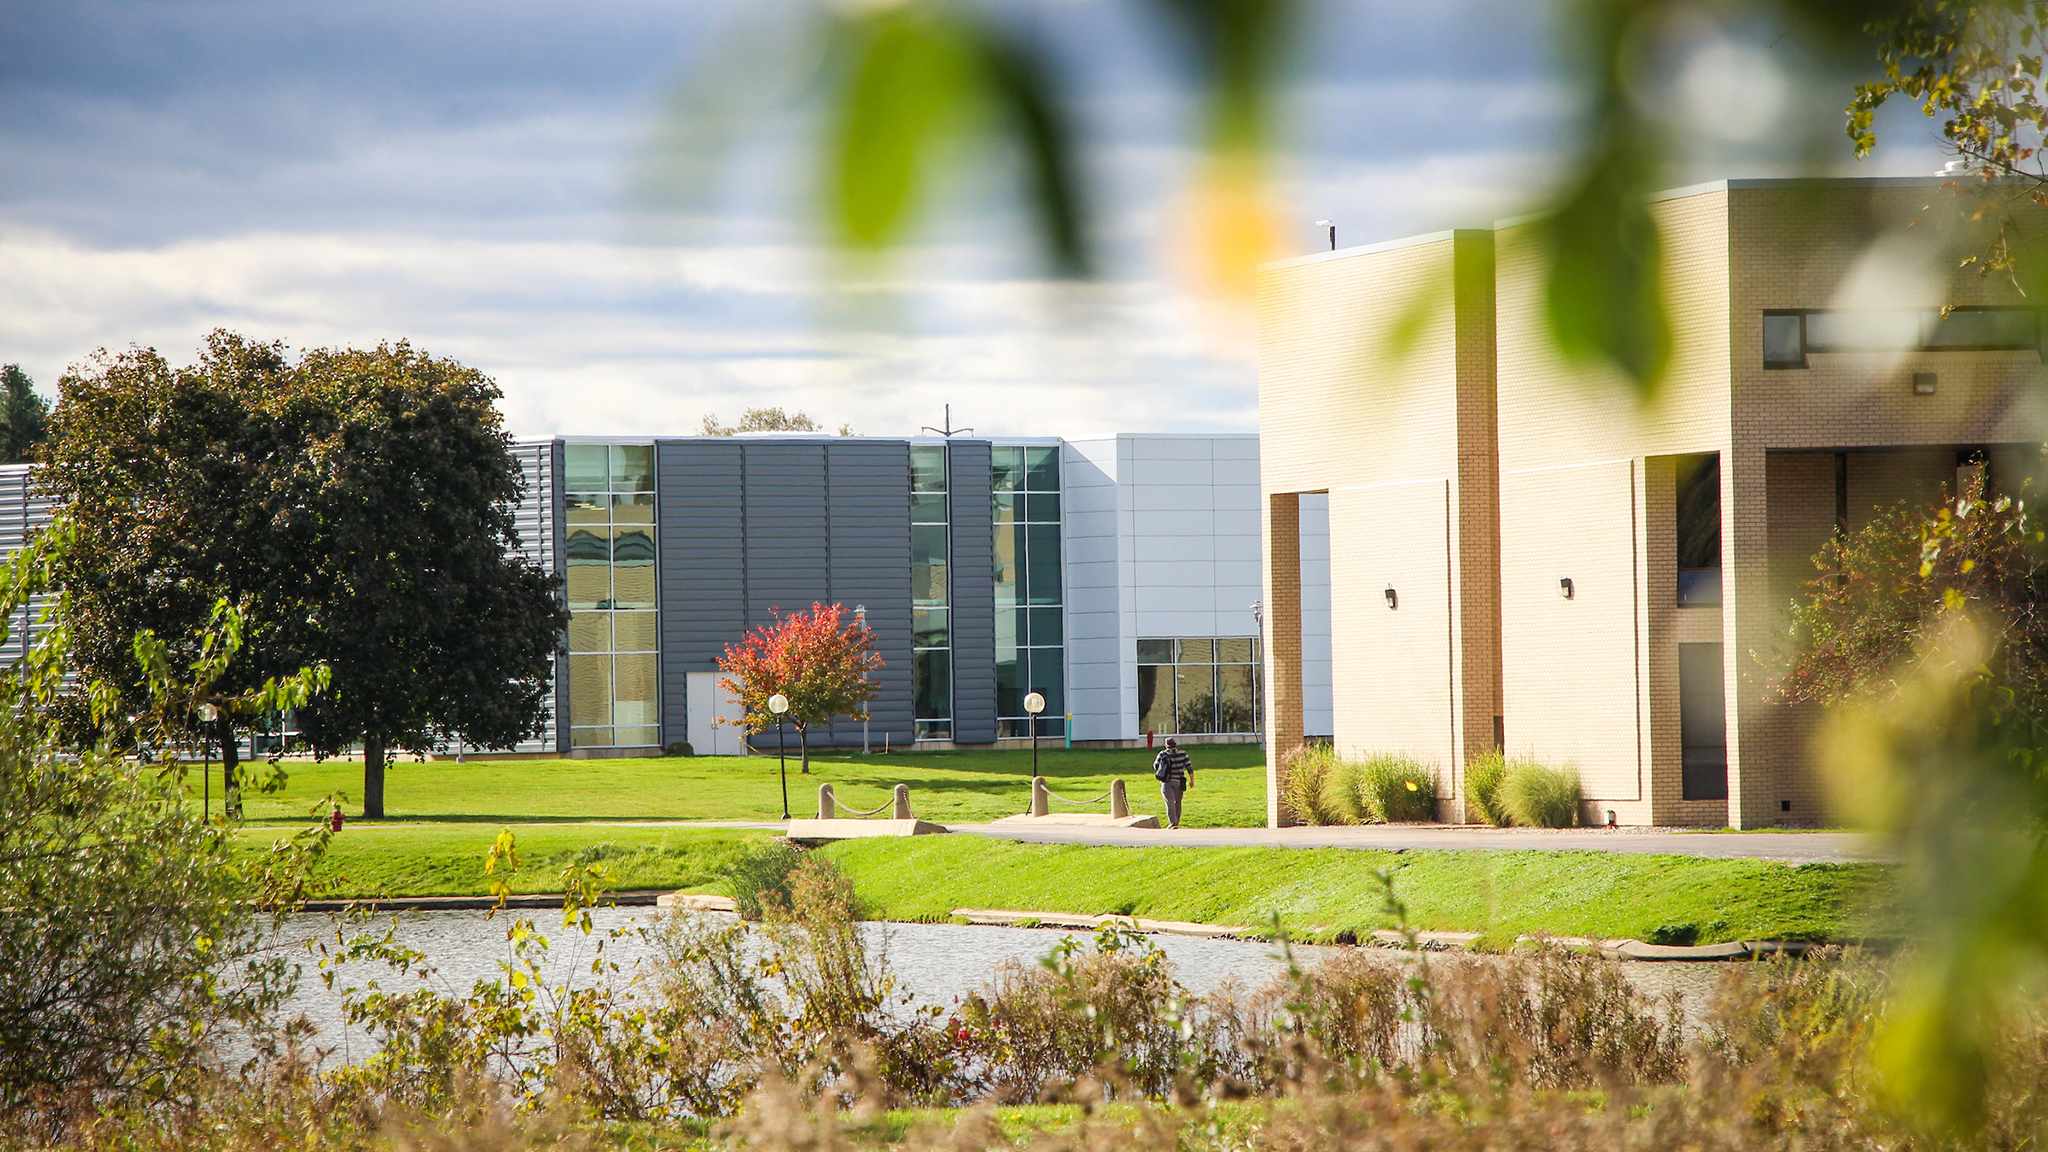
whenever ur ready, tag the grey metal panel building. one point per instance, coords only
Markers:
(22, 511)
(538, 521)
(867, 503)
(703, 565)
(973, 593)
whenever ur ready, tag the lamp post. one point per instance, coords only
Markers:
(779, 704)
(207, 714)
(1034, 704)
(860, 620)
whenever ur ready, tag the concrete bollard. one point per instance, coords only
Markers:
(1119, 805)
(826, 804)
(903, 803)
(1040, 805)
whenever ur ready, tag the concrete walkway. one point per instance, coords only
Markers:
(1789, 847)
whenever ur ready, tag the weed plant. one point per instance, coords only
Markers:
(759, 876)
(1539, 796)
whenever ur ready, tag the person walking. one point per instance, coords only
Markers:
(1176, 774)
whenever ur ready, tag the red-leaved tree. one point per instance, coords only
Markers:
(815, 659)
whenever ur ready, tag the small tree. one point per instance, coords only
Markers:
(820, 663)
(24, 416)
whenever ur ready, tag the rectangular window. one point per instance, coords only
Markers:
(931, 592)
(1702, 722)
(1790, 335)
(1006, 469)
(614, 627)
(1199, 684)
(1030, 592)
(1784, 340)
(1698, 529)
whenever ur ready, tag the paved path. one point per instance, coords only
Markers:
(1790, 847)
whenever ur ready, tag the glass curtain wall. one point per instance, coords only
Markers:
(1030, 640)
(614, 671)
(930, 593)
(1198, 684)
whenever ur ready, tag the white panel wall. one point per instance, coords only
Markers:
(1318, 705)
(1162, 540)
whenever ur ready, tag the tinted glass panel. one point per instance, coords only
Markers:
(1006, 506)
(1008, 468)
(932, 682)
(633, 568)
(928, 628)
(1983, 328)
(1045, 626)
(1862, 331)
(586, 467)
(633, 508)
(1007, 577)
(1044, 469)
(1236, 699)
(1234, 651)
(632, 468)
(590, 737)
(1044, 507)
(635, 632)
(1042, 555)
(1048, 676)
(633, 689)
(643, 737)
(1702, 722)
(1155, 651)
(1009, 697)
(1197, 650)
(1013, 627)
(1784, 345)
(1155, 699)
(927, 469)
(588, 508)
(928, 564)
(590, 689)
(590, 631)
(928, 508)
(1699, 511)
(1195, 697)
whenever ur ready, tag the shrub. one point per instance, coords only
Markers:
(1305, 770)
(760, 876)
(1483, 776)
(1538, 796)
(681, 748)
(1337, 801)
(1394, 786)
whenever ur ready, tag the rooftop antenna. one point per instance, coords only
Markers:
(1332, 226)
(948, 431)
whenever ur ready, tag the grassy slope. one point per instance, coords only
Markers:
(1321, 891)
(948, 787)
(1328, 890)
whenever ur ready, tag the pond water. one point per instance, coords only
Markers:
(933, 963)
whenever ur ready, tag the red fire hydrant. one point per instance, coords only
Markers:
(334, 822)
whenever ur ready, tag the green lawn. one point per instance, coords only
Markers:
(945, 787)
(1316, 891)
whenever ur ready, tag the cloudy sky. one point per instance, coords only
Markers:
(485, 179)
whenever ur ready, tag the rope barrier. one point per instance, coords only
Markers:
(1077, 803)
(889, 803)
(829, 804)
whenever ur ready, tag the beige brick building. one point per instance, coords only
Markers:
(1526, 551)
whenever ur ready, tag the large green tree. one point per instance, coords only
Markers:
(169, 476)
(434, 628)
(355, 506)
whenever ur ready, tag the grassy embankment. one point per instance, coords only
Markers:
(946, 787)
(1317, 892)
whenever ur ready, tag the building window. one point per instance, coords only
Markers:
(1199, 684)
(1790, 335)
(1030, 630)
(1702, 723)
(930, 594)
(614, 649)
(1699, 529)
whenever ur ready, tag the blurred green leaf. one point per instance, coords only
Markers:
(908, 87)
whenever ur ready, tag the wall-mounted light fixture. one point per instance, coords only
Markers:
(1564, 587)
(1392, 601)
(1923, 383)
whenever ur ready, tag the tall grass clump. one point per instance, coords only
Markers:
(759, 877)
(1394, 786)
(1536, 795)
(1483, 776)
(1320, 787)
